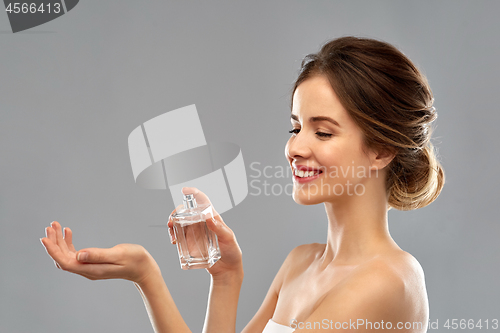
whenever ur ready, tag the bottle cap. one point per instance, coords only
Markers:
(189, 201)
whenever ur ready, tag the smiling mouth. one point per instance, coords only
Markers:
(306, 174)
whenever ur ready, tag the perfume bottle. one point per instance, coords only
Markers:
(197, 245)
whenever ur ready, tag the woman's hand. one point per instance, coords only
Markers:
(230, 262)
(124, 261)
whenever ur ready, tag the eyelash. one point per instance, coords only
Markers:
(320, 134)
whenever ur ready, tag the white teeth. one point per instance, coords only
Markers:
(302, 174)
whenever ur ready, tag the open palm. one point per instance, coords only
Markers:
(123, 261)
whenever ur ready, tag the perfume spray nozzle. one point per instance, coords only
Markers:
(189, 201)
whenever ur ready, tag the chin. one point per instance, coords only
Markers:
(304, 196)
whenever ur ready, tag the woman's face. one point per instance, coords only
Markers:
(326, 140)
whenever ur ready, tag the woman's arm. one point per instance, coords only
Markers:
(226, 273)
(223, 303)
(124, 261)
(134, 263)
(162, 311)
(266, 310)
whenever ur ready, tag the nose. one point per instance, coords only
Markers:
(297, 147)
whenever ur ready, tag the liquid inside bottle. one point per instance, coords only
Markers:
(197, 245)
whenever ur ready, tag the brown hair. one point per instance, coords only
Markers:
(392, 103)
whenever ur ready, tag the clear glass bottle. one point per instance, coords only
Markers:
(197, 245)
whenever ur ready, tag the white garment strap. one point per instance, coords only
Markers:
(273, 327)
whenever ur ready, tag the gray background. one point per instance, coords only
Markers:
(73, 89)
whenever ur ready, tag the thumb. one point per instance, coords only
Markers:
(96, 255)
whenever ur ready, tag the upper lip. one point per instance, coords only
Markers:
(305, 168)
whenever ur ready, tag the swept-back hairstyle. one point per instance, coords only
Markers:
(392, 103)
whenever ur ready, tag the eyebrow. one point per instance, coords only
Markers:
(316, 119)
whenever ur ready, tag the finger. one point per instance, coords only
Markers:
(171, 233)
(223, 232)
(100, 256)
(70, 264)
(43, 241)
(59, 236)
(51, 234)
(218, 218)
(54, 251)
(201, 198)
(68, 238)
(170, 217)
(92, 271)
(170, 225)
(170, 220)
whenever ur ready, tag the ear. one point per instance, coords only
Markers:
(381, 158)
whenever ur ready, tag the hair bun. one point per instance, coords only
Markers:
(419, 186)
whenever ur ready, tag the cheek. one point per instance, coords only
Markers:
(335, 155)
(342, 158)
(287, 155)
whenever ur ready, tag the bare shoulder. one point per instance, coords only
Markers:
(307, 251)
(397, 266)
(400, 267)
(389, 287)
(396, 273)
(298, 259)
(302, 256)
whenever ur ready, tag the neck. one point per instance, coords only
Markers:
(357, 227)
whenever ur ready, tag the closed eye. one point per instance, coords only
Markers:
(320, 134)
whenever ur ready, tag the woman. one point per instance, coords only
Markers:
(360, 144)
